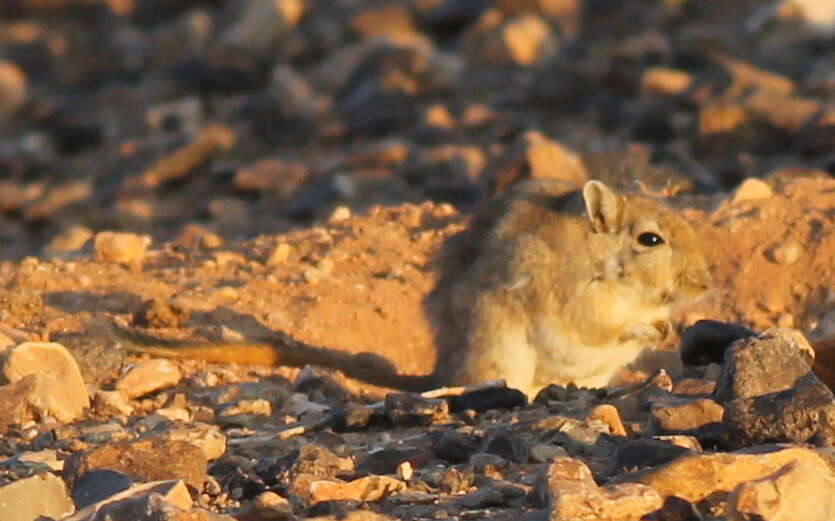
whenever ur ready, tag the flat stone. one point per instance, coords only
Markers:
(144, 502)
(369, 488)
(59, 391)
(640, 454)
(798, 490)
(149, 376)
(41, 495)
(700, 417)
(157, 458)
(492, 495)
(574, 495)
(695, 476)
(98, 485)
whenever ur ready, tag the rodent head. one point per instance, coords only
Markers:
(646, 245)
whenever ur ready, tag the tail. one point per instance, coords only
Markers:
(278, 350)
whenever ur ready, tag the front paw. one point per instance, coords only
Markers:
(648, 333)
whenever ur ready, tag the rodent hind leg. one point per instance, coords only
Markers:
(496, 351)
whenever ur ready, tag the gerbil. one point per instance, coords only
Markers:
(549, 285)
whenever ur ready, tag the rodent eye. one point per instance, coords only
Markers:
(650, 239)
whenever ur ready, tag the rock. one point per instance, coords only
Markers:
(368, 488)
(802, 414)
(29, 499)
(506, 443)
(380, 94)
(316, 460)
(456, 447)
(534, 156)
(774, 361)
(267, 506)
(609, 415)
(574, 495)
(149, 376)
(412, 409)
(274, 177)
(387, 20)
(798, 490)
(111, 402)
(71, 239)
(261, 24)
(482, 400)
(143, 502)
(494, 495)
(352, 417)
(706, 341)
(59, 388)
(786, 254)
(388, 461)
(640, 454)
(528, 40)
(156, 458)
(13, 88)
(15, 402)
(750, 190)
(356, 515)
(701, 417)
(122, 248)
(162, 313)
(665, 81)
(694, 387)
(98, 485)
(209, 438)
(693, 477)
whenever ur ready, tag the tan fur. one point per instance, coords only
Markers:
(549, 285)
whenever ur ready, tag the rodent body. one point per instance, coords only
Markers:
(549, 285)
(564, 286)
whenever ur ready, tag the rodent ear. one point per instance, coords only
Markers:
(603, 206)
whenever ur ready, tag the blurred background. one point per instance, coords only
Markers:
(209, 121)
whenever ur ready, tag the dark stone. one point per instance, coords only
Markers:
(706, 341)
(486, 399)
(507, 444)
(97, 485)
(351, 417)
(638, 454)
(456, 447)
(494, 495)
(386, 461)
(412, 409)
(675, 509)
(802, 414)
(331, 509)
(235, 476)
(319, 386)
(769, 363)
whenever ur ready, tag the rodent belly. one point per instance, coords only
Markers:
(562, 362)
